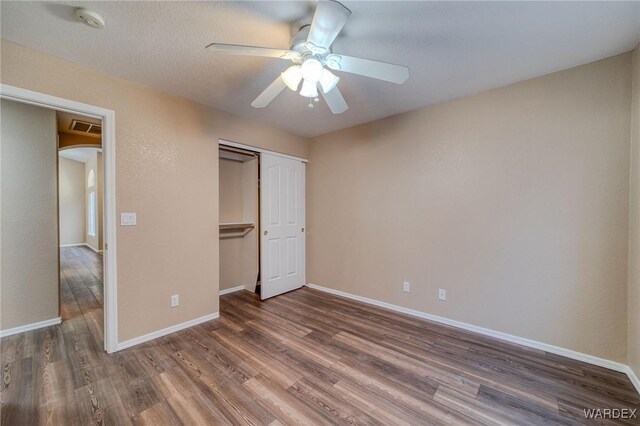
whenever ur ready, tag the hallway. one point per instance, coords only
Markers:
(44, 371)
(81, 292)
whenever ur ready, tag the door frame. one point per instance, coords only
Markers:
(231, 144)
(108, 117)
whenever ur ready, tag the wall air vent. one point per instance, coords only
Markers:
(86, 127)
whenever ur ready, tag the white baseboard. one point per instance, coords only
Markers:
(154, 335)
(612, 365)
(80, 244)
(634, 379)
(30, 327)
(231, 290)
(91, 247)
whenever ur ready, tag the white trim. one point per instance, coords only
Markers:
(92, 248)
(30, 327)
(634, 379)
(231, 290)
(108, 118)
(303, 212)
(80, 244)
(260, 150)
(612, 365)
(154, 335)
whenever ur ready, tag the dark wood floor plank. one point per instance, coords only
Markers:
(527, 413)
(378, 406)
(275, 370)
(337, 409)
(398, 394)
(185, 401)
(412, 365)
(470, 407)
(234, 402)
(305, 357)
(285, 407)
(159, 414)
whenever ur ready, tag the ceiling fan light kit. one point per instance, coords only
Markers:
(309, 89)
(292, 77)
(311, 54)
(328, 80)
(312, 69)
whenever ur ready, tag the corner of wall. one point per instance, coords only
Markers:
(633, 355)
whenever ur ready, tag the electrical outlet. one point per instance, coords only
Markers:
(442, 294)
(175, 300)
(406, 287)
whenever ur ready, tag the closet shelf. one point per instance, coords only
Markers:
(236, 226)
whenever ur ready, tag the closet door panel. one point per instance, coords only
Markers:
(274, 201)
(292, 256)
(274, 258)
(282, 239)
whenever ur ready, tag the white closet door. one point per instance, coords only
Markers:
(282, 236)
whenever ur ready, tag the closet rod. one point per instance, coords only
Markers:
(238, 151)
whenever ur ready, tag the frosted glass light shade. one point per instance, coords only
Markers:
(312, 70)
(328, 80)
(292, 77)
(309, 89)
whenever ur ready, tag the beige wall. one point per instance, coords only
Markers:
(515, 201)
(634, 222)
(71, 190)
(95, 164)
(230, 191)
(231, 243)
(29, 220)
(167, 172)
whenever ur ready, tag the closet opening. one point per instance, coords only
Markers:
(239, 199)
(262, 220)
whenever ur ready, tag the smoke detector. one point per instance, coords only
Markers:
(90, 18)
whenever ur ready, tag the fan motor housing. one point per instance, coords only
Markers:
(299, 44)
(298, 41)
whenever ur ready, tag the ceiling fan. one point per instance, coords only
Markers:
(311, 54)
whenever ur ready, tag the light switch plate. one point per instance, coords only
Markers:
(127, 219)
(175, 300)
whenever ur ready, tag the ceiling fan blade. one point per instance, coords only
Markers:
(237, 49)
(375, 69)
(269, 93)
(328, 20)
(335, 101)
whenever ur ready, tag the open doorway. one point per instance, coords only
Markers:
(30, 230)
(80, 221)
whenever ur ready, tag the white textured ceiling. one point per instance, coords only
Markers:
(78, 154)
(453, 49)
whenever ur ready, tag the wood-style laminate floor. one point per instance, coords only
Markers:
(301, 358)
